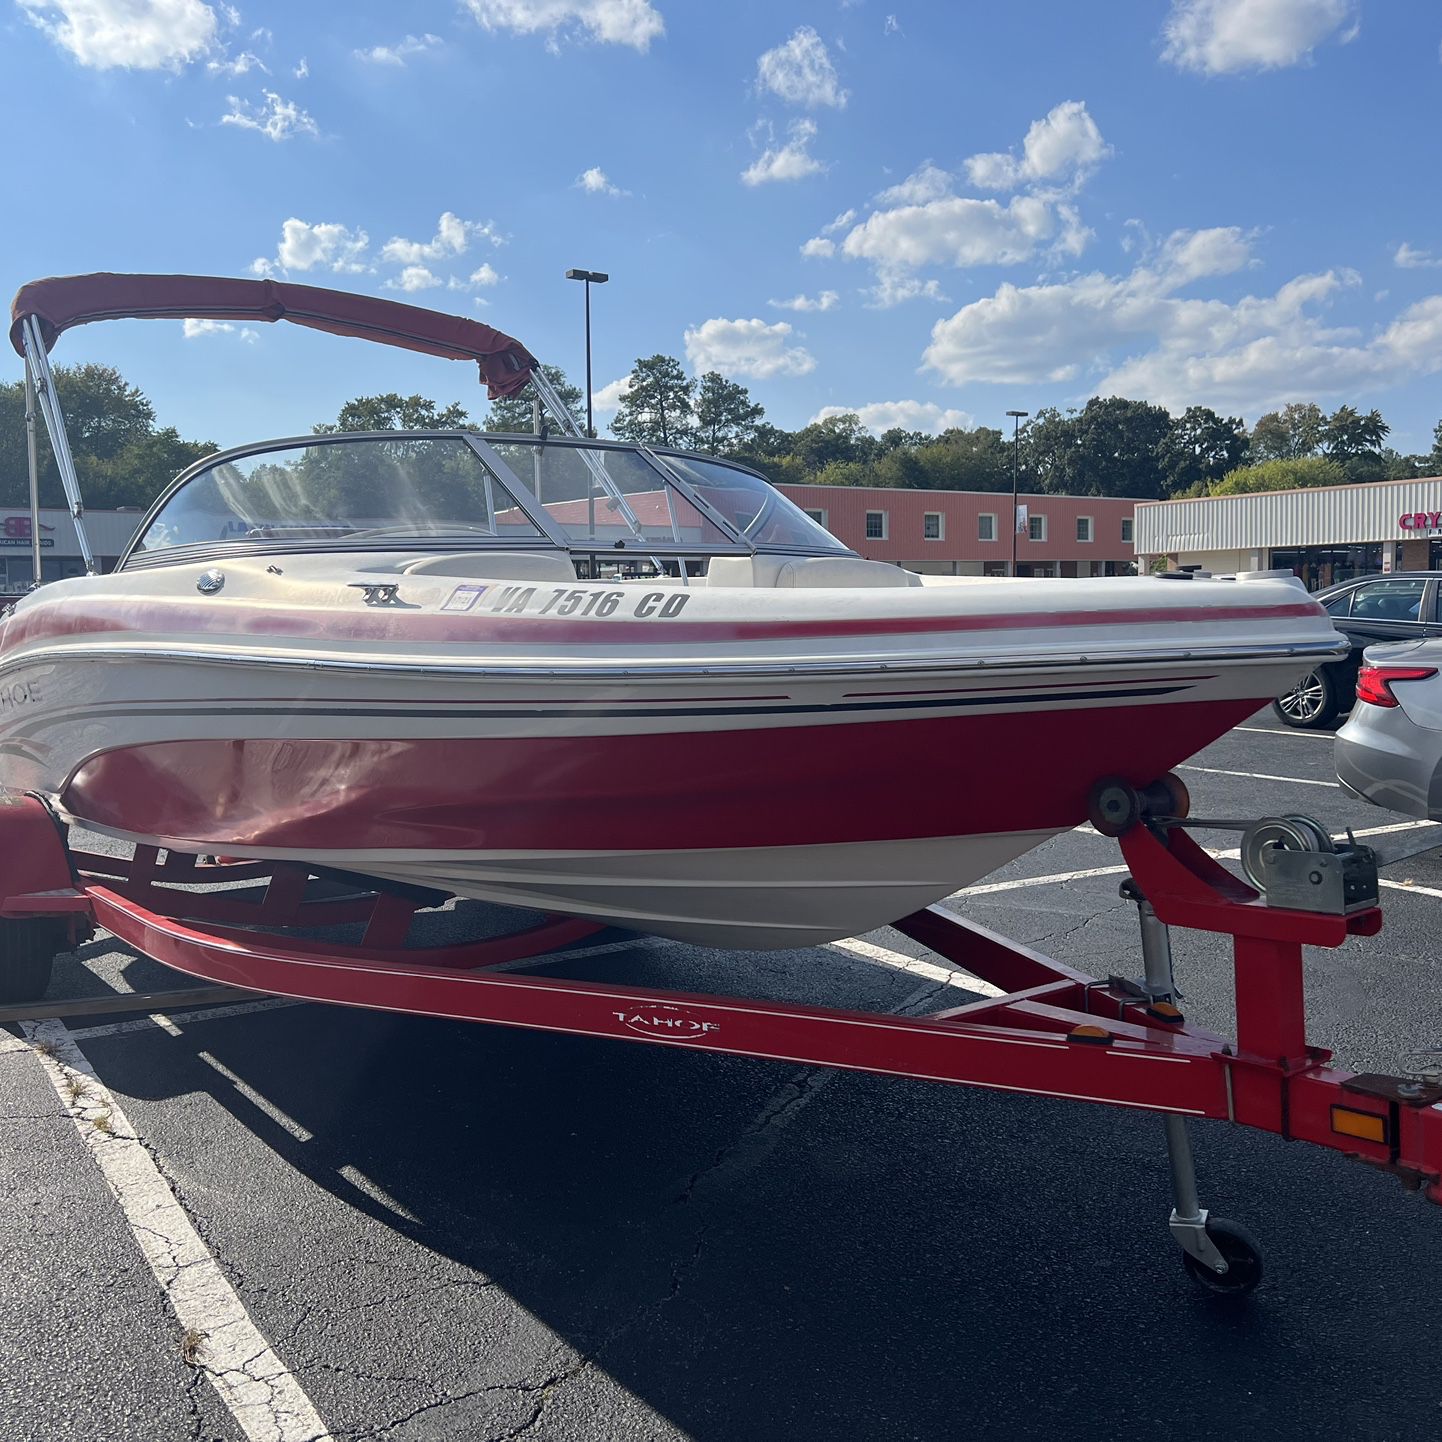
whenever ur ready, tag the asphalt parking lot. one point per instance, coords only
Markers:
(407, 1228)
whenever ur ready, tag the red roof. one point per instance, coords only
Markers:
(63, 301)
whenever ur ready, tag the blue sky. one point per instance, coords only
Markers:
(927, 212)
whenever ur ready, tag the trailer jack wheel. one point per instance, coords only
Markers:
(1240, 1251)
(28, 948)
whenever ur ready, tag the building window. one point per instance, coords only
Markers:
(932, 526)
(876, 525)
(1084, 528)
(1036, 528)
(986, 527)
(1127, 524)
(818, 516)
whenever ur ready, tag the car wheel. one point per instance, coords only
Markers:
(1311, 703)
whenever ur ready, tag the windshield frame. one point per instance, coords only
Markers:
(551, 536)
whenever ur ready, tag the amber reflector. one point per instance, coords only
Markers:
(1368, 1126)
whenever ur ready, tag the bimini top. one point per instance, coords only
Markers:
(69, 300)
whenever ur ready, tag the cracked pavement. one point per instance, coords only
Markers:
(590, 1240)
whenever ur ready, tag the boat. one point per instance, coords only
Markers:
(629, 684)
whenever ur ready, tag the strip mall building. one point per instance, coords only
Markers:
(1323, 534)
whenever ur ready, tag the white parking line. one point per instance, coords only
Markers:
(256, 1100)
(951, 976)
(1258, 776)
(1409, 886)
(1286, 731)
(262, 1395)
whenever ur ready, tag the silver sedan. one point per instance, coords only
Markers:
(1390, 750)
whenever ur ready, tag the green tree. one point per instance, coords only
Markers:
(121, 459)
(1111, 447)
(1348, 435)
(392, 412)
(1435, 459)
(1281, 475)
(1202, 447)
(657, 407)
(515, 414)
(726, 416)
(961, 460)
(1294, 431)
(836, 438)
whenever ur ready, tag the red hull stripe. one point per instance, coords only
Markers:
(786, 786)
(70, 618)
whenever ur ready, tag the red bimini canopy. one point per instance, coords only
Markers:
(63, 301)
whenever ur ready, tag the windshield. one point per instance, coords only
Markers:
(758, 510)
(605, 496)
(343, 491)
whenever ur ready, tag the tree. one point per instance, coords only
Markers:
(726, 416)
(1111, 447)
(1436, 456)
(1281, 475)
(1201, 448)
(1348, 435)
(121, 459)
(515, 414)
(961, 460)
(836, 438)
(1296, 430)
(392, 412)
(657, 406)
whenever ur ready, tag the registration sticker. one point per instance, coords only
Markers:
(463, 598)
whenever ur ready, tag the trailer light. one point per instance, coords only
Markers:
(1374, 683)
(1091, 1035)
(1366, 1126)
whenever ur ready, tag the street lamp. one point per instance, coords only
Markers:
(591, 277)
(1016, 419)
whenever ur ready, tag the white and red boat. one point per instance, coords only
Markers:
(600, 680)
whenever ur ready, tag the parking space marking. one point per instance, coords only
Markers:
(1258, 776)
(265, 1399)
(951, 976)
(1285, 731)
(175, 1026)
(1409, 886)
(256, 1100)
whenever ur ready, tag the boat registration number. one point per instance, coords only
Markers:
(567, 601)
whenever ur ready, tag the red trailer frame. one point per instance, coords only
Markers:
(1056, 1032)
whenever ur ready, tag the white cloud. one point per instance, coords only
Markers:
(1131, 335)
(891, 26)
(127, 34)
(746, 348)
(485, 274)
(1064, 146)
(1219, 37)
(1188, 255)
(327, 246)
(453, 237)
(927, 182)
(276, 119)
(608, 398)
(840, 223)
(895, 289)
(400, 52)
(414, 277)
(302, 68)
(956, 230)
(881, 416)
(596, 182)
(613, 22)
(193, 329)
(818, 248)
(1410, 259)
(243, 63)
(791, 161)
(800, 72)
(827, 300)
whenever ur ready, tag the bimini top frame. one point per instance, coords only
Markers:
(45, 308)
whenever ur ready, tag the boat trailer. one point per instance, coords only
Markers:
(1056, 1032)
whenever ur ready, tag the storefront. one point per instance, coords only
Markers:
(1323, 534)
(108, 532)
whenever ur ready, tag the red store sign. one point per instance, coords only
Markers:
(1421, 521)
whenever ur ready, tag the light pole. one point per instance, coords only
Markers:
(1016, 419)
(591, 277)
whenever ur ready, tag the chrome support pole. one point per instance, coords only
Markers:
(1188, 1222)
(55, 425)
(32, 456)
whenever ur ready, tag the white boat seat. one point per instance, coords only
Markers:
(808, 572)
(496, 565)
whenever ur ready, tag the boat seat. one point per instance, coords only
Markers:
(807, 572)
(496, 566)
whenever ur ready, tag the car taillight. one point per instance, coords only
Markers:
(1374, 683)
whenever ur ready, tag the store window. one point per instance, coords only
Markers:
(986, 527)
(1084, 528)
(932, 526)
(876, 525)
(1321, 566)
(1127, 526)
(1036, 528)
(818, 516)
